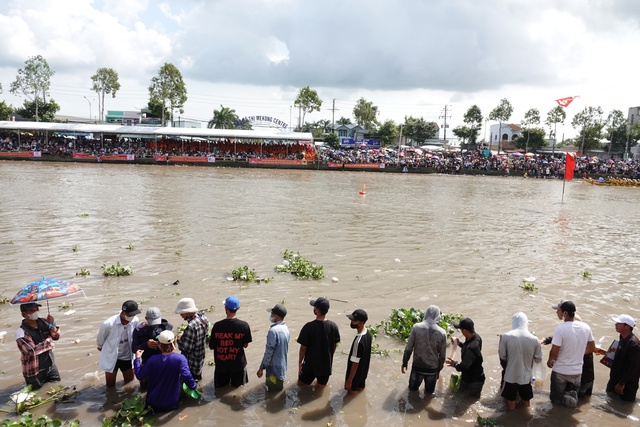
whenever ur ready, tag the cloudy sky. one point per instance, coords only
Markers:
(408, 57)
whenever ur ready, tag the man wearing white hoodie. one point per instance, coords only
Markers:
(518, 350)
(428, 343)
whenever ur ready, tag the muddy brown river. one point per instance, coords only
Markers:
(464, 243)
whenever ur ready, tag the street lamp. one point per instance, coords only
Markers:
(89, 107)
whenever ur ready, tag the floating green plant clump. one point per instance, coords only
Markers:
(246, 274)
(529, 286)
(134, 412)
(586, 275)
(301, 268)
(485, 421)
(401, 322)
(83, 215)
(83, 272)
(116, 270)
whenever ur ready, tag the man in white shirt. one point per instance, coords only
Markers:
(571, 341)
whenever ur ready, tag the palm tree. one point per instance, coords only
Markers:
(224, 118)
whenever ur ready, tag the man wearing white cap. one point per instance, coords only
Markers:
(164, 371)
(192, 341)
(625, 370)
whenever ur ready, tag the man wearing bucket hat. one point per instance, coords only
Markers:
(625, 370)
(274, 360)
(229, 338)
(192, 341)
(35, 338)
(164, 373)
(318, 340)
(114, 343)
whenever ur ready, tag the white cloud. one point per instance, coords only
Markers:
(409, 58)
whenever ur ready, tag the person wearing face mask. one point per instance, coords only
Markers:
(360, 354)
(114, 343)
(274, 360)
(35, 338)
(192, 341)
(318, 341)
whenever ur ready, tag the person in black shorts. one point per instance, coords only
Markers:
(360, 354)
(229, 338)
(318, 340)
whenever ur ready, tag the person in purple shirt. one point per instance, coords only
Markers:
(164, 373)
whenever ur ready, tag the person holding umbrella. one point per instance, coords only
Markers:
(35, 338)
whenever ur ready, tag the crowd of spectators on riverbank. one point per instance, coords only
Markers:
(451, 162)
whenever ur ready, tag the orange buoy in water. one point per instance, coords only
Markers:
(362, 192)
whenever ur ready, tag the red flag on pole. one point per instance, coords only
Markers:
(570, 165)
(564, 102)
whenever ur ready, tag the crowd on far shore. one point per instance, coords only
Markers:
(452, 162)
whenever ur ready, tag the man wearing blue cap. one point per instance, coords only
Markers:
(229, 338)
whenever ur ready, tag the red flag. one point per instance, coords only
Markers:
(564, 102)
(570, 165)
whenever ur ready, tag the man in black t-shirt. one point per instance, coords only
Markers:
(360, 354)
(229, 338)
(318, 340)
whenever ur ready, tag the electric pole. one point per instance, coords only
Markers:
(444, 116)
(333, 110)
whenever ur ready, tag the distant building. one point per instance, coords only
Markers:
(126, 118)
(634, 115)
(350, 131)
(504, 137)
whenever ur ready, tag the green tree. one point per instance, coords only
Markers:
(419, 130)
(169, 88)
(388, 132)
(224, 118)
(502, 113)
(332, 140)
(46, 110)
(589, 121)
(463, 133)
(155, 108)
(34, 81)
(617, 131)
(307, 101)
(531, 118)
(473, 119)
(344, 121)
(104, 82)
(532, 139)
(556, 115)
(5, 111)
(365, 114)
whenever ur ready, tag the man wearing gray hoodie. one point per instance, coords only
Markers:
(519, 349)
(428, 343)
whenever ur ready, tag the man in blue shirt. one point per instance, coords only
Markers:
(274, 360)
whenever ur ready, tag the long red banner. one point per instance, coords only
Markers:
(357, 165)
(277, 162)
(20, 153)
